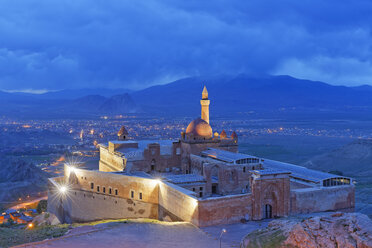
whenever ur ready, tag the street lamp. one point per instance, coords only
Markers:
(222, 232)
(63, 189)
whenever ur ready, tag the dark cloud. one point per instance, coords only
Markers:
(118, 43)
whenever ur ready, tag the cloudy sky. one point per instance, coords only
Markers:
(57, 44)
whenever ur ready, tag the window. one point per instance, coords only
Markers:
(97, 188)
(104, 189)
(91, 185)
(140, 195)
(116, 192)
(193, 189)
(244, 169)
(131, 194)
(200, 194)
(110, 191)
(201, 188)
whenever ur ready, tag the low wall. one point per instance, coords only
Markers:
(224, 210)
(322, 199)
(110, 161)
(177, 203)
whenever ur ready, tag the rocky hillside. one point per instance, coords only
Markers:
(19, 179)
(325, 230)
(354, 159)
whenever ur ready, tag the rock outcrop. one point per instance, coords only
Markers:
(46, 219)
(325, 230)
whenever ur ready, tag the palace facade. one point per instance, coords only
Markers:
(200, 178)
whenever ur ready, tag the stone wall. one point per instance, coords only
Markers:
(87, 206)
(154, 161)
(196, 147)
(322, 199)
(224, 210)
(112, 196)
(273, 191)
(125, 185)
(110, 161)
(177, 203)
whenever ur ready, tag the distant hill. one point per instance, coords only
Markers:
(77, 93)
(244, 93)
(354, 159)
(19, 179)
(118, 104)
(251, 95)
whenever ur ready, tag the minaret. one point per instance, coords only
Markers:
(204, 102)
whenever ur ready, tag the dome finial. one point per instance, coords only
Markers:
(205, 93)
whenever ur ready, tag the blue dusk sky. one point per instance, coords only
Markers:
(50, 44)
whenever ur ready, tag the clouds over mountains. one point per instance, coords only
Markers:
(75, 44)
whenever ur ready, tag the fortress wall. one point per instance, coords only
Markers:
(224, 210)
(322, 199)
(176, 203)
(81, 203)
(53, 199)
(124, 184)
(110, 161)
(88, 206)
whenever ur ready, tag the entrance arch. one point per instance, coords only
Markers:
(268, 211)
(153, 164)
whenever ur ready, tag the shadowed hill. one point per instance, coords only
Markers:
(354, 159)
(244, 93)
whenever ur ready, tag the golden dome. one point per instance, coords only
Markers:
(199, 128)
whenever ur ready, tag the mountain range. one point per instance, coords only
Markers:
(270, 95)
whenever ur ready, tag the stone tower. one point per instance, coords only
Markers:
(204, 102)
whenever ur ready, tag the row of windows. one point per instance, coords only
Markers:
(247, 161)
(116, 192)
(132, 195)
(104, 189)
(201, 191)
(336, 181)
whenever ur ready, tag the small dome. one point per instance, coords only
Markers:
(199, 128)
(234, 135)
(223, 134)
(122, 131)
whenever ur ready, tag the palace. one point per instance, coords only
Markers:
(200, 178)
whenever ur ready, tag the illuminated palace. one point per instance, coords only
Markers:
(200, 178)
